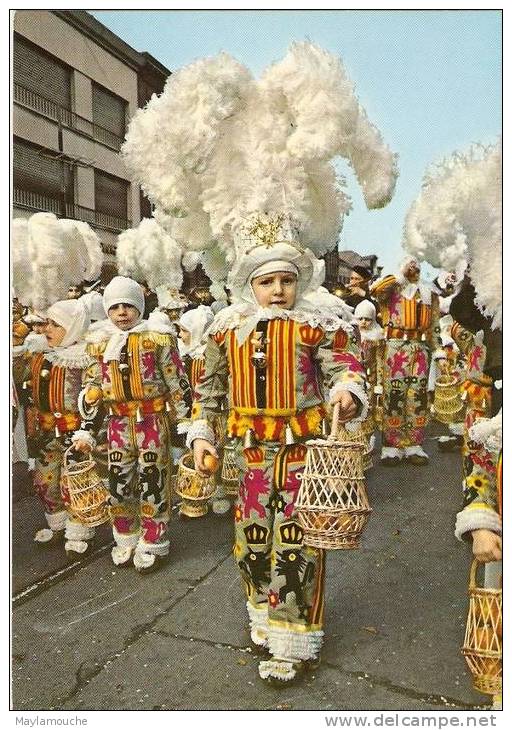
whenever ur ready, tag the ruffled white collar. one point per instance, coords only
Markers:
(72, 356)
(244, 317)
(409, 288)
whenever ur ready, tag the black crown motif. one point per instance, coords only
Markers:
(150, 457)
(291, 533)
(115, 457)
(256, 534)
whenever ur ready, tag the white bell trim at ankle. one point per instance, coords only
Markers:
(153, 548)
(129, 540)
(56, 520)
(77, 531)
(294, 646)
(258, 619)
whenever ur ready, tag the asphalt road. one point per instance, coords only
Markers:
(89, 635)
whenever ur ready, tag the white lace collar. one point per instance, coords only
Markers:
(72, 356)
(244, 317)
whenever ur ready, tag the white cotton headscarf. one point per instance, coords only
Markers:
(73, 315)
(366, 309)
(196, 321)
(122, 290)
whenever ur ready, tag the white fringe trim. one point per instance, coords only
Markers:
(488, 432)
(456, 428)
(124, 540)
(200, 430)
(153, 548)
(293, 646)
(258, 620)
(476, 519)
(56, 520)
(77, 531)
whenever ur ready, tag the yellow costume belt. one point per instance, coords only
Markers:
(269, 425)
(138, 407)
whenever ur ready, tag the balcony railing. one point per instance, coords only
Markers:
(37, 202)
(72, 120)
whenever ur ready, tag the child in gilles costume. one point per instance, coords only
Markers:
(192, 327)
(54, 377)
(137, 373)
(249, 182)
(273, 361)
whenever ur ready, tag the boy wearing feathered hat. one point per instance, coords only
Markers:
(271, 352)
(139, 376)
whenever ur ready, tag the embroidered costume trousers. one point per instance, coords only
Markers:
(406, 364)
(283, 578)
(51, 491)
(139, 470)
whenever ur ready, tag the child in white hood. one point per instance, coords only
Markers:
(54, 377)
(138, 374)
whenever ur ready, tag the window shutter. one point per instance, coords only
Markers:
(111, 195)
(108, 110)
(41, 73)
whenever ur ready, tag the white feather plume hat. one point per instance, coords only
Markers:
(456, 220)
(218, 149)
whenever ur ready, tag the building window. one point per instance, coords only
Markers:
(41, 180)
(108, 111)
(41, 73)
(111, 199)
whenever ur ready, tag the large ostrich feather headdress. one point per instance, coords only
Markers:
(51, 254)
(219, 153)
(457, 217)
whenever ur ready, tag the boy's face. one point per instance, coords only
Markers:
(54, 333)
(185, 336)
(124, 316)
(278, 289)
(364, 323)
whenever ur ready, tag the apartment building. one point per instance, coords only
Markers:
(75, 87)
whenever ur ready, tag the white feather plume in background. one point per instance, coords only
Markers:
(457, 217)
(148, 253)
(57, 253)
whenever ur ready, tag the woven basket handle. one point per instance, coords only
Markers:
(71, 450)
(472, 574)
(335, 422)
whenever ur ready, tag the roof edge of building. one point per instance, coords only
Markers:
(100, 34)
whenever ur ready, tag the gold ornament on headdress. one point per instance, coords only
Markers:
(268, 232)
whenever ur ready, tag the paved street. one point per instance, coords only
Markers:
(92, 636)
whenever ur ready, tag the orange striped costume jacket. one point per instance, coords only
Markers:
(276, 377)
(149, 370)
(401, 316)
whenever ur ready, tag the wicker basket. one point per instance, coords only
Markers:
(448, 405)
(332, 503)
(230, 475)
(483, 640)
(361, 436)
(83, 491)
(194, 490)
